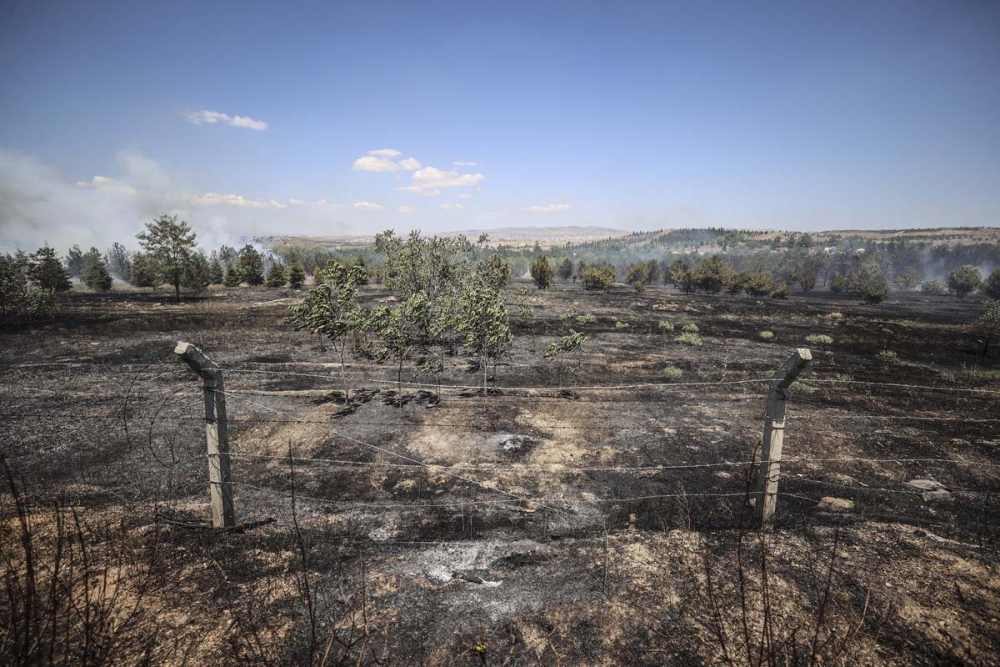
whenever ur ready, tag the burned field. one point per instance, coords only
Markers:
(591, 509)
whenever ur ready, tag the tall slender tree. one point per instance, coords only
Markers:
(169, 243)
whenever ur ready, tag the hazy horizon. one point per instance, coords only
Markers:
(257, 120)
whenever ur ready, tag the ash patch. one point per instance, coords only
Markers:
(515, 447)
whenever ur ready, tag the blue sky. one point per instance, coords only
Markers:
(632, 115)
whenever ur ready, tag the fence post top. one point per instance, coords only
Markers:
(194, 358)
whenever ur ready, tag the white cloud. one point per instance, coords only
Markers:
(406, 209)
(450, 206)
(206, 117)
(296, 202)
(466, 164)
(373, 163)
(217, 199)
(463, 195)
(430, 180)
(549, 208)
(385, 152)
(410, 164)
(324, 205)
(368, 206)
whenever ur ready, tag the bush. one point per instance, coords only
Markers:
(781, 291)
(991, 286)
(767, 335)
(672, 373)
(96, 275)
(541, 272)
(665, 326)
(838, 283)
(819, 339)
(690, 327)
(621, 325)
(599, 277)
(887, 358)
(964, 280)
(586, 318)
(758, 284)
(932, 287)
(639, 286)
(870, 282)
(688, 338)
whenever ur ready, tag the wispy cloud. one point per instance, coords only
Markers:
(450, 206)
(463, 195)
(368, 206)
(406, 209)
(217, 199)
(206, 117)
(430, 180)
(465, 164)
(381, 160)
(548, 208)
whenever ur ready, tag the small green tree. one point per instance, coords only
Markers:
(484, 322)
(169, 243)
(758, 284)
(990, 322)
(600, 277)
(565, 346)
(296, 275)
(251, 266)
(541, 272)
(964, 280)
(45, 270)
(18, 298)
(838, 283)
(869, 281)
(781, 290)
(276, 277)
(74, 262)
(331, 310)
(144, 271)
(932, 287)
(398, 330)
(97, 276)
(991, 286)
(908, 279)
(120, 261)
(232, 277)
(197, 273)
(524, 308)
(216, 274)
(713, 274)
(566, 269)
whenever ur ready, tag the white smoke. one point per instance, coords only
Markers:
(39, 204)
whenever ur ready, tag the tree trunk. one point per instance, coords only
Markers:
(486, 366)
(177, 289)
(343, 372)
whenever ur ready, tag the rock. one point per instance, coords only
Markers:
(925, 484)
(723, 474)
(831, 504)
(937, 494)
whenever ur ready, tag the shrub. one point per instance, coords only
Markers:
(97, 276)
(639, 286)
(870, 282)
(819, 339)
(688, 338)
(569, 314)
(932, 287)
(887, 358)
(296, 275)
(672, 373)
(599, 277)
(767, 335)
(758, 283)
(665, 326)
(836, 315)
(991, 286)
(781, 291)
(690, 327)
(541, 272)
(621, 325)
(838, 283)
(964, 280)
(586, 318)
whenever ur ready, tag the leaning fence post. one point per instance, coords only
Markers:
(216, 434)
(766, 496)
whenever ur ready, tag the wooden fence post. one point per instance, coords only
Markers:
(216, 434)
(769, 464)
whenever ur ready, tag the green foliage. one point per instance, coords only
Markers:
(74, 262)
(665, 326)
(689, 338)
(541, 272)
(19, 299)
(484, 322)
(672, 373)
(600, 277)
(96, 275)
(571, 344)
(586, 318)
(296, 274)
(144, 271)
(250, 266)
(494, 271)
(566, 269)
(169, 244)
(215, 272)
(908, 279)
(819, 339)
(713, 274)
(639, 287)
(276, 277)
(524, 309)
(619, 325)
(964, 280)
(758, 283)
(869, 281)
(232, 278)
(569, 314)
(46, 271)
(690, 327)
(989, 321)
(991, 286)
(887, 358)
(767, 335)
(932, 287)
(781, 290)
(838, 282)
(119, 261)
(197, 273)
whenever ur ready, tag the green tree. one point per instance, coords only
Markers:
(397, 329)
(169, 244)
(869, 281)
(908, 279)
(484, 322)
(713, 274)
(565, 346)
(964, 280)
(541, 272)
(932, 287)
(45, 270)
(758, 284)
(276, 277)
(296, 275)
(97, 276)
(991, 286)
(566, 269)
(119, 261)
(197, 273)
(251, 266)
(232, 277)
(18, 298)
(781, 290)
(331, 310)
(216, 273)
(838, 282)
(144, 271)
(600, 277)
(74, 262)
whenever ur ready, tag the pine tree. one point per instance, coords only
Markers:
(276, 276)
(566, 269)
(169, 243)
(541, 272)
(74, 262)
(296, 275)
(45, 269)
(144, 273)
(97, 276)
(215, 274)
(232, 278)
(251, 266)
